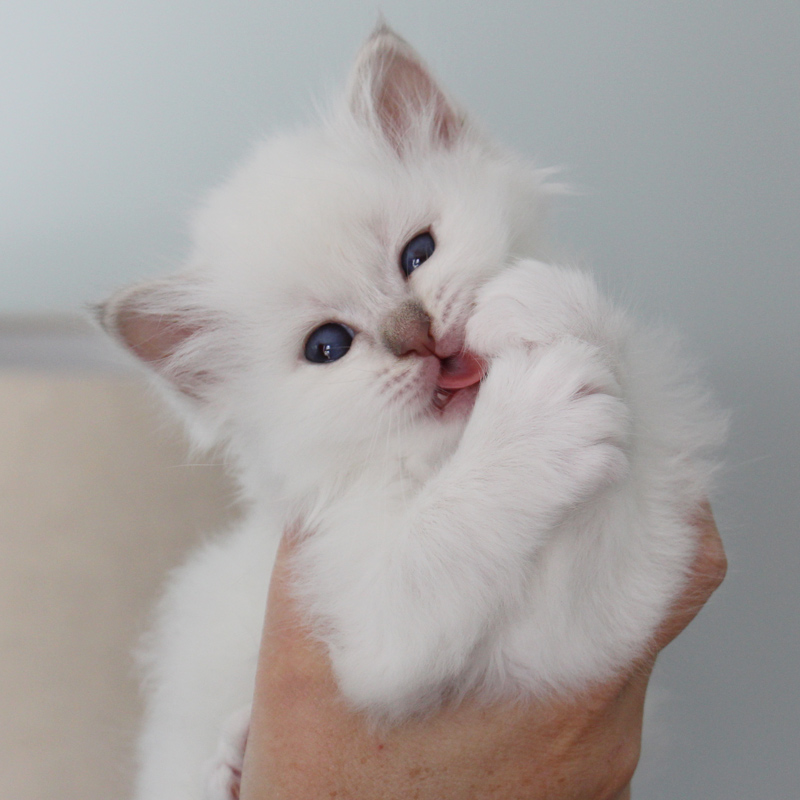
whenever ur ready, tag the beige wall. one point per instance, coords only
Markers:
(96, 502)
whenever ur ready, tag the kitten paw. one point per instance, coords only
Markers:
(224, 771)
(559, 410)
(537, 304)
(589, 425)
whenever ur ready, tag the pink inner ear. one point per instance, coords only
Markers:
(154, 321)
(407, 93)
(152, 337)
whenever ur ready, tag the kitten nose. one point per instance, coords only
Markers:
(407, 330)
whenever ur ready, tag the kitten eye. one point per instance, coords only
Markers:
(417, 252)
(329, 342)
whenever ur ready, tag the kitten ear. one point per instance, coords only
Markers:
(393, 91)
(162, 325)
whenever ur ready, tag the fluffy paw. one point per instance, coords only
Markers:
(557, 414)
(224, 772)
(536, 303)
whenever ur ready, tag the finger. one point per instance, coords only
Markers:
(293, 683)
(706, 574)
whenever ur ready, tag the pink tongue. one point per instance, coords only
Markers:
(460, 371)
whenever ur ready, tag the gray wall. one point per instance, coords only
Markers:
(680, 121)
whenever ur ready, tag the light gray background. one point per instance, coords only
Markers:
(680, 121)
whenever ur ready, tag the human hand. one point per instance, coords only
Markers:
(305, 743)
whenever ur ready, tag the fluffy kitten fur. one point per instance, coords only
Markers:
(529, 543)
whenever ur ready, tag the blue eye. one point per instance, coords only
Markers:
(329, 342)
(416, 253)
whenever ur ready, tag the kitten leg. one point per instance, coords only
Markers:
(537, 303)
(548, 432)
(224, 771)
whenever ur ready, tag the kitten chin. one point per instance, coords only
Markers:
(495, 468)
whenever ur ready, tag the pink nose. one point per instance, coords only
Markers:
(407, 331)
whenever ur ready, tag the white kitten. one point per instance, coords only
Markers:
(349, 288)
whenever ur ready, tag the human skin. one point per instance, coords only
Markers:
(306, 744)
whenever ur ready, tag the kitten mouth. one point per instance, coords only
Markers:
(441, 397)
(457, 373)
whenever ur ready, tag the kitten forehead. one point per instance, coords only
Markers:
(313, 211)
